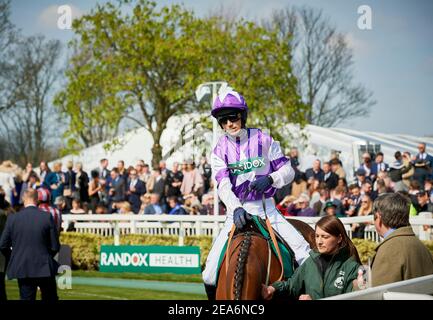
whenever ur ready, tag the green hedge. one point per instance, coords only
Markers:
(365, 249)
(85, 247)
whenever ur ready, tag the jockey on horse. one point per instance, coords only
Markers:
(247, 163)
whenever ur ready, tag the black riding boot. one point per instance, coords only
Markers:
(210, 291)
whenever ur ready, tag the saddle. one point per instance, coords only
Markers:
(258, 226)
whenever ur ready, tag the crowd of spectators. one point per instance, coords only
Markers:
(185, 189)
(323, 189)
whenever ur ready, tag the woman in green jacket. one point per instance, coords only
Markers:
(329, 271)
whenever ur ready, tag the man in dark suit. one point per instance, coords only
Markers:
(329, 177)
(104, 173)
(4, 206)
(123, 172)
(174, 181)
(367, 167)
(379, 164)
(361, 177)
(423, 164)
(315, 172)
(153, 207)
(136, 188)
(117, 189)
(69, 185)
(34, 240)
(104, 179)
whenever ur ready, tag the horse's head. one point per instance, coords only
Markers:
(251, 262)
(248, 265)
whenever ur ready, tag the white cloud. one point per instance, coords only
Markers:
(48, 17)
(358, 45)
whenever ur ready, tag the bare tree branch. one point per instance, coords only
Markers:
(322, 62)
(29, 78)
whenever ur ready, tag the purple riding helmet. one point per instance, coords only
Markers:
(228, 102)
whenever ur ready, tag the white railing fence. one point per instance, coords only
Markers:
(116, 225)
(414, 289)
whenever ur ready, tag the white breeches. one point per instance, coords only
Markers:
(293, 238)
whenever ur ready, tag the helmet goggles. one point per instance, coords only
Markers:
(232, 117)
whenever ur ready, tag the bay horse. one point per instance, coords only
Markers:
(248, 263)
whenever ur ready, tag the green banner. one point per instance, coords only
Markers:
(246, 165)
(150, 259)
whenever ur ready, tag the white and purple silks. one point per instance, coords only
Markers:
(236, 162)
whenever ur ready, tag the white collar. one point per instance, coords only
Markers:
(241, 134)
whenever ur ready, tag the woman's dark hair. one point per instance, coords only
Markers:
(344, 181)
(300, 177)
(334, 226)
(94, 174)
(46, 165)
(397, 155)
(3, 203)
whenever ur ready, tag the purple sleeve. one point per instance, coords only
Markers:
(221, 174)
(278, 163)
(218, 164)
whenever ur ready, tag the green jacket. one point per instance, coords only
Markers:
(307, 279)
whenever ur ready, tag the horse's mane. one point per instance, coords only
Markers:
(237, 256)
(240, 266)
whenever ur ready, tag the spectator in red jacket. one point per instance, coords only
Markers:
(284, 205)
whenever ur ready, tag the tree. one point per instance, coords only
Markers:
(154, 60)
(259, 63)
(7, 38)
(322, 62)
(29, 75)
(7, 29)
(92, 110)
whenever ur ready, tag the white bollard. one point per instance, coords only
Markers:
(116, 233)
(424, 234)
(133, 226)
(181, 233)
(198, 228)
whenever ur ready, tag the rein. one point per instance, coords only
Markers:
(274, 241)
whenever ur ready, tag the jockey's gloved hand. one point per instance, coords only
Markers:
(261, 184)
(240, 217)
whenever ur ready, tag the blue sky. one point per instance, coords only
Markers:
(394, 59)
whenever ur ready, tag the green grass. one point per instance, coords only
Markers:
(140, 276)
(90, 292)
(82, 292)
